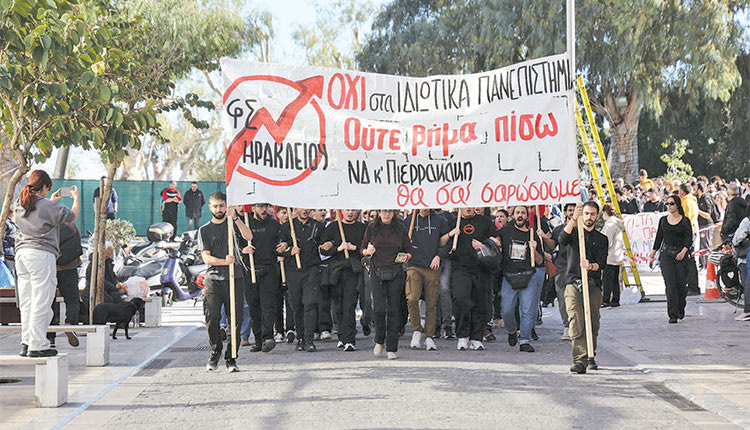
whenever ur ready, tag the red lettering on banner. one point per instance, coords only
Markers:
(530, 191)
(526, 126)
(368, 138)
(347, 92)
(443, 136)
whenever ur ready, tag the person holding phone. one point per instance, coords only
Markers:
(673, 239)
(387, 242)
(37, 249)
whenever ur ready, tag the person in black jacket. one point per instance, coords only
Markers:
(429, 237)
(595, 259)
(113, 290)
(261, 296)
(345, 275)
(193, 201)
(736, 210)
(303, 283)
(673, 239)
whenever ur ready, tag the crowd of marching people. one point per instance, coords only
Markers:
(468, 272)
(311, 274)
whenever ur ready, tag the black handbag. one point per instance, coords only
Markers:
(520, 280)
(386, 274)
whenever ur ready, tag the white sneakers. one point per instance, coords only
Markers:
(416, 339)
(463, 344)
(429, 344)
(340, 345)
(392, 356)
(349, 347)
(378, 350)
(325, 335)
(565, 335)
(476, 345)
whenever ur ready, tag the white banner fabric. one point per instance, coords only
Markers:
(316, 137)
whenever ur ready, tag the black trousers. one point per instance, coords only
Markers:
(386, 303)
(345, 301)
(304, 295)
(692, 275)
(216, 295)
(261, 302)
(471, 303)
(675, 282)
(328, 296)
(170, 217)
(364, 288)
(67, 284)
(611, 284)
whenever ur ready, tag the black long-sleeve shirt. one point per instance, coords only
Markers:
(676, 236)
(476, 227)
(352, 232)
(426, 239)
(308, 241)
(596, 252)
(266, 235)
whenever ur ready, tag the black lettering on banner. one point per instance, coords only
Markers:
(418, 174)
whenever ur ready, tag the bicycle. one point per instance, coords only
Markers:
(728, 275)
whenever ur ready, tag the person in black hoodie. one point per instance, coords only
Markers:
(303, 283)
(736, 210)
(261, 296)
(470, 281)
(387, 243)
(345, 274)
(429, 237)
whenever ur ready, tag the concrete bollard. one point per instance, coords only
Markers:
(51, 388)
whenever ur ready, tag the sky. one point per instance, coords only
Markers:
(287, 16)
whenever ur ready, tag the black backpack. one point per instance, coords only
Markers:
(70, 245)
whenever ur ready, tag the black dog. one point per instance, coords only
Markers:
(118, 313)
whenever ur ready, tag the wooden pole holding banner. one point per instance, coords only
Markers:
(294, 238)
(252, 256)
(414, 213)
(232, 298)
(343, 237)
(458, 225)
(283, 272)
(93, 260)
(586, 295)
(531, 238)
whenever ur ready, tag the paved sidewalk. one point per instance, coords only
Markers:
(694, 374)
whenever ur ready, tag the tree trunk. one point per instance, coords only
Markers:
(623, 150)
(102, 226)
(10, 191)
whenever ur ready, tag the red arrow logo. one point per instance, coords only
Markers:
(278, 129)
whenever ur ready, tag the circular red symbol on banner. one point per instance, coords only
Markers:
(279, 127)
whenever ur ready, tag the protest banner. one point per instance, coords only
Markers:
(319, 137)
(641, 230)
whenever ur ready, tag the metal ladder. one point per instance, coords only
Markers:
(592, 146)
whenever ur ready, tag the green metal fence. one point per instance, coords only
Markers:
(138, 201)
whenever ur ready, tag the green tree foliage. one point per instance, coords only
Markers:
(52, 90)
(334, 39)
(630, 52)
(676, 167)
(716, 131)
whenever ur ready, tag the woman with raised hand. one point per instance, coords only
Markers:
(37, 249)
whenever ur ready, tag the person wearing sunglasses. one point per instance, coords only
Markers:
(673, 239)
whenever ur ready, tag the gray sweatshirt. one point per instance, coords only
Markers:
(40, 228)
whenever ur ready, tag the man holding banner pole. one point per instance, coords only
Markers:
(594, 260)
(214, 243)
(302, 263)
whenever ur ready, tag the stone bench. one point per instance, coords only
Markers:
(97, 343)
(51, 382)
(152, 309)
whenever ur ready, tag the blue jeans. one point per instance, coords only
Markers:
(245, 330)
(529, 305)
